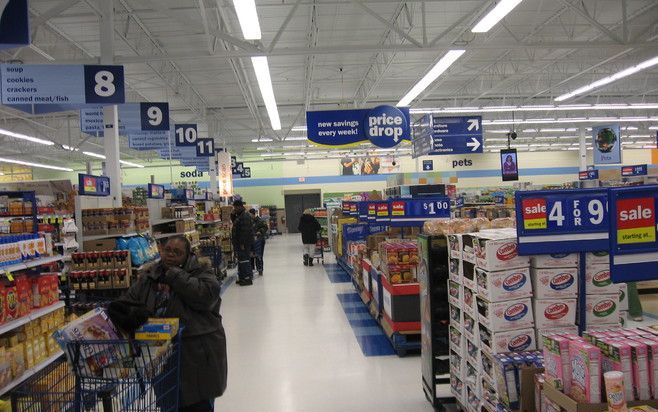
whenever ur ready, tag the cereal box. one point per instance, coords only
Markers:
(498, 251)
(554, 282)
(504, 285)
(556, 260)
(616, 356)
(556, 362)
(586, 375)
(598, 280)
(602, 309)
(550, 313)
(640, 367)
(508, 315)
(566, 331)
(623, 296)
(652, 364)
(507, 341)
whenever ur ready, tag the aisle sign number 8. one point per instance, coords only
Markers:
(186, 134)
(104, 84)
(154, 116)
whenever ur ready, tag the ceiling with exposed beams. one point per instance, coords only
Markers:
(328, 54)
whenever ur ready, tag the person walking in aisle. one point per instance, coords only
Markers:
(258, 249)
(309, 228)
(242, 236)
(183, 287)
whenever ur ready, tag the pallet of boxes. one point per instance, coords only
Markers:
(492, 320)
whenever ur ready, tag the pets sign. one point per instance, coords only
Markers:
(384, 126)
(606, 144)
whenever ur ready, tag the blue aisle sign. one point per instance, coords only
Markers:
(414, 212)
(633, 240)
(562, 221)
(14, 24)
(606, 144)
(205, 147)
(499, 198)
(592, 174)
(428, 165)
(36, 89)
(450, 135)
(373, 229)
(246, 173)
(238, 169)
(384, 126)
(637, 170)
(90, 185)
(186, 134)
(459, 202)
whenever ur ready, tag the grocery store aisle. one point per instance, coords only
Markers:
(291, 347)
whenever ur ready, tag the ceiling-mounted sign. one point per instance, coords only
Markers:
(155, 191)
(383, 126)
(606, 144)
(246, 173)
(14, 24)
(186, 134)
(205, 147)
(90, 185)
(435, 135)
(562, 221)
(224, 174)
(428, 165)
(637, 170)
(238, 169)
(588, 174)
(35, 88)
(633, 240)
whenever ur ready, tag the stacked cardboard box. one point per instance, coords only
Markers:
(603, 303)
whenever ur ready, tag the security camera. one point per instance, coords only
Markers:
(512, 135)
(394, 163)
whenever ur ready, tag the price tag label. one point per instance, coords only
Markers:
(562, 221)
(372, 212)
(346, 207)
(633, 238)
(383, 212)
(9, 276)
(413, 212)
(637, 170)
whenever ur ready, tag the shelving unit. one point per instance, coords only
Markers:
(166, 235)
(97, 237)
(36, 314)
(31, 263)
(30, 372)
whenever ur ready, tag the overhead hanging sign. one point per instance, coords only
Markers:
(414, 212)
(186, 134)
(428, 165)
(155, 191)
(637, 170)
(35, 88)
(448, 135)
(90, 185)
(205, 147)
(606, 144)
(383, 126)
(224, 174)
(588, 174)
(14, 24)
(562, 221)
(246, 173)
(633, 240)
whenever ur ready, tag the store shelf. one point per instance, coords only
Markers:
(163, 221)
(96, 237)
(165, 235)
(207, 222)
(207, 236)
(31, 263)
(30, 372)
(36, 314)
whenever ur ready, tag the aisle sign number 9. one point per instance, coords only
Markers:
(154, 116)
(186, 134)
(104, 84)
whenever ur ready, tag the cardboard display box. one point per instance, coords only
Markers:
(554, 282)
(556, 260)
(508, 315)
(504, 285)
(498, 251)
(570, 405)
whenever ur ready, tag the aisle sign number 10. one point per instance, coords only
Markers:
(548, 213)
(186, 134)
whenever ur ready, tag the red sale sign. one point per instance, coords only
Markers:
(534, 213)
(636, 220)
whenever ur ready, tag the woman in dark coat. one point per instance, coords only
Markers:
(182, 287)
(309, 228)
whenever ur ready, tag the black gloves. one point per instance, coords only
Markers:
(127, 316)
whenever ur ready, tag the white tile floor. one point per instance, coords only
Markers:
(291, 349)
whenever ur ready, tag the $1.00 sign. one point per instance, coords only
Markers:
(633, 240)
(413, 212)
(562, 221)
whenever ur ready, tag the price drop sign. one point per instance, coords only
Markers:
(562, 221)
(413, 212)
(633, 240)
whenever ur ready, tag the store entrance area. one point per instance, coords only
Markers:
(291, 347)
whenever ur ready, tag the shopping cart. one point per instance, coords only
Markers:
(106, 376)
(319, 248)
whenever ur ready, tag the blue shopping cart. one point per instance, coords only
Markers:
(106, 376)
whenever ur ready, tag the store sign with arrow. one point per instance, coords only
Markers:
(449, 135)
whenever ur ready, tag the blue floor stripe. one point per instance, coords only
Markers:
(336, 274)
(367, 331)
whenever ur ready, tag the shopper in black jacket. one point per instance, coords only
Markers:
(243, 239)
(309, 228)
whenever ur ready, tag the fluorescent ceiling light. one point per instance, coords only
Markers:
(609, 79)
(20, 162)
(127, 163)
(529, 130)
(538, 108)
(70, 148)
(296, 138)
(495, 139)
(92, 154)
(496, 14)
(441, 66)
(570, 120)
(26, 137)
(299, 129)
(248, 18)
(262, 139)
(262, 69)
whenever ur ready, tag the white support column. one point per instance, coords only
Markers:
(110, 113)
(582, 152)
(214, 187)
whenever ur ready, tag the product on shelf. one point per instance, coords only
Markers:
(503, 285)
(602, 309)
(20, 248)
(585, 361)
(108, 221)
(399, 260)
(554, 283)
(178, 212)
(100, 270)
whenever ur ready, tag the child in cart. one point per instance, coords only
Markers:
(182, 287)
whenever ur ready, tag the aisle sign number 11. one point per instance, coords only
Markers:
(205, 147)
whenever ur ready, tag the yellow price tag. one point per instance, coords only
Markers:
(9, 276)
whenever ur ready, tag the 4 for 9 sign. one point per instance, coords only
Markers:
(562, 221)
